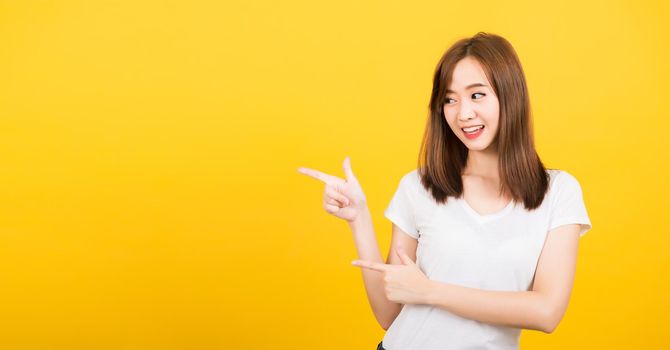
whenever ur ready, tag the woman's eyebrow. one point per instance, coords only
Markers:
(471, 86)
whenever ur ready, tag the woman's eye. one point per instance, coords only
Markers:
(448, 100)
(478, 93)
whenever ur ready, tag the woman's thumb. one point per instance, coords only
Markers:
(404, 258)
(347, 169)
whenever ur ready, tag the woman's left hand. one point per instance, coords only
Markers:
(404, 283)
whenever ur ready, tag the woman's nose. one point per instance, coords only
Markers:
(466, 112)
(466, 115)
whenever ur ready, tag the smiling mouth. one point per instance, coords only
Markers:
(473, 130)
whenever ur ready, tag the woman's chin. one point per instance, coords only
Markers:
(477, 146)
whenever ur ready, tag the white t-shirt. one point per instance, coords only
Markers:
(458, 246)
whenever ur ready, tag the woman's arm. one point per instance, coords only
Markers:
(345, 199)
(539, 309)
(385, 311)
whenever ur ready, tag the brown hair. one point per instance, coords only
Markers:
(443, 156)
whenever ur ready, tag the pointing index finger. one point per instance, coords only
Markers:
(370, 265)
(326, 178)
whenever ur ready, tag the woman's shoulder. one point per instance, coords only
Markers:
(559, 173)
(412, 176)
(409, 180)
(559, 178)
(412, 181)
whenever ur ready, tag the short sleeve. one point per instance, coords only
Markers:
(568, 204)
(400, 209)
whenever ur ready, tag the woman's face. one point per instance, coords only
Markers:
(471, 102)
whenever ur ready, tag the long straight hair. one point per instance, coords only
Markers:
(443, 156)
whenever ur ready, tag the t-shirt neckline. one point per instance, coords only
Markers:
(486, 217)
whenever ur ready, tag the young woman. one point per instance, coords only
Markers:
(494, 234)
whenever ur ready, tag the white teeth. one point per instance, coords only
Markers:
(474, 128)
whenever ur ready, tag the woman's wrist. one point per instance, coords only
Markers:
(362, 220)
(435, 293)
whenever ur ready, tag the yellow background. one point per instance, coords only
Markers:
(148, 156)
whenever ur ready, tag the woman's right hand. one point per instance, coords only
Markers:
(342, 198)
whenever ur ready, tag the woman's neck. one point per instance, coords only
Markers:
(482, 164)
